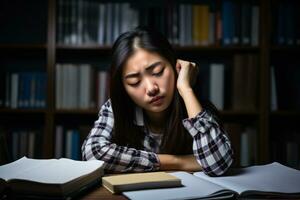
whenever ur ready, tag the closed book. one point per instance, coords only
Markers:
(136, 181)
(50, 178)
(216, 90)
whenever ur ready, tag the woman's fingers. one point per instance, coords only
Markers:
(178, 66)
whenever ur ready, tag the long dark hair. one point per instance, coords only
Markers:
(176, 140)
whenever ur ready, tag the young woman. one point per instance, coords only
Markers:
(153, 119)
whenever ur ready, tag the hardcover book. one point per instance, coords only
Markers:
(49, 178)
(136, 181)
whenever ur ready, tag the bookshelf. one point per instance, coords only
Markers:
(284, 62)
(50, 51)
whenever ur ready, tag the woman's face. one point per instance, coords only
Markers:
(149, 79)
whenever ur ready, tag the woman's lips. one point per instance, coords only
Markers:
(157, 100)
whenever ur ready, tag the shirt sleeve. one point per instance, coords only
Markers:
(211, 145)
(116, 158)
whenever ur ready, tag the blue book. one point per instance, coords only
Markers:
(245, 22)
(21, 90)
(27, 87)
(43, 89)
(290, 24)
(227, 22)
(281, 24)
(75, 145)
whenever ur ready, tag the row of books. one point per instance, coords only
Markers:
(80, 86)
(231, 85)
(89, 22)
(285, 86)
(244, 142)
(68, 141)
(286, 23)
(240, 23)
(24, 90)
(23, 142)
(286, 149)
(92, 22)
(245, 82)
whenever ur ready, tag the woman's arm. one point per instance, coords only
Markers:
(187, 73)
(175, 162)
(116, 158)
(211, 145)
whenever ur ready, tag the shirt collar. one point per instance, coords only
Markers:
(139, 116)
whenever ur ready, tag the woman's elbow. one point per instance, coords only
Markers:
(90, 152)
(221, 166)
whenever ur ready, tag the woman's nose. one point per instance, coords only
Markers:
(151, 88)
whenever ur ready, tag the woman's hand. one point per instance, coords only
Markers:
(178, 162)
(187, 74)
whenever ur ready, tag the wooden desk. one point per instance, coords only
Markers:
(100, 192)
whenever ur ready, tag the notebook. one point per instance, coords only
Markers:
(272, 180)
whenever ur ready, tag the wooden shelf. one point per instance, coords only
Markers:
(285, 48)
(216, 48)
(77, 111)
(82, 50)
(285, 113)
(22, 111)
(23, 46)
(239, 113)
(83, 47)
(96, 47)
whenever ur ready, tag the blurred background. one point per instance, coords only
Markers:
(55, 66)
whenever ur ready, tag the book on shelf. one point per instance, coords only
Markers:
(184, 23)
(272, 180)
(4, 155)
(216, 84)
(25, 90)
(244, 82)
(80, 81)
(285, 23)
(248, 149)
(234, 131)
(51, 178)
(68, 141)
(136, 181)
(273, 104)
(287, 85)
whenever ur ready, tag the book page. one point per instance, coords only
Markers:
(193, 187)
(13, 169)
(52, 171)
(265, 178)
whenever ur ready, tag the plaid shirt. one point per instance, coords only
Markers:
(211, 146)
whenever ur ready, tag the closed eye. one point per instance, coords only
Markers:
(134, 84)
(158, 73)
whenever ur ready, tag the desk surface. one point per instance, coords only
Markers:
(100, 192)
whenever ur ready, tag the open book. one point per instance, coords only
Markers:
(272, 180)
(135, 181)
(51, 178)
